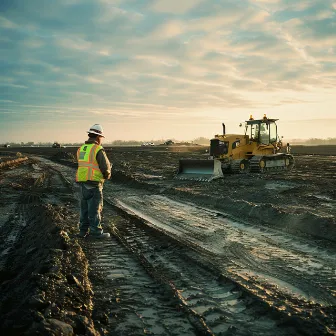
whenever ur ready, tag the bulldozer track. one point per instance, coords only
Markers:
(256, 165)
(236, 166)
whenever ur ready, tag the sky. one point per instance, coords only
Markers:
(159, 69)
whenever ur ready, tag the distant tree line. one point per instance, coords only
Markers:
(111, 143)
(314, 141)
(197, 141)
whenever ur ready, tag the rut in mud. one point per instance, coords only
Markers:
(174, 265)
(213, 303)
(242, 250)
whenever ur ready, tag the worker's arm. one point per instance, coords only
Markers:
(104, 164)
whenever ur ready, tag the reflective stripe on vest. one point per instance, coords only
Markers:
(88, 168)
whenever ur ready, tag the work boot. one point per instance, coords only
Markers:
(100, 235)
(82, 234)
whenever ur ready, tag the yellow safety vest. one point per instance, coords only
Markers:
(88, 168)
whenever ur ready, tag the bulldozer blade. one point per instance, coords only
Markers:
(199, 170)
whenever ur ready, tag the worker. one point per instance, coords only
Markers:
(255, 133)
(264, 135)
(288, 148)
(93, 169)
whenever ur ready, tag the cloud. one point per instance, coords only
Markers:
(7, 24)
(74, 43)
(174, 7)
(6, 101)
(33, 43)
(15, 86)
(168, 30)
(153, 59)
(268, 1)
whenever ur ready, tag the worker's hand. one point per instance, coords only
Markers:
(107, 175)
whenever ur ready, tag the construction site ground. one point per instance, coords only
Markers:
(244, 255)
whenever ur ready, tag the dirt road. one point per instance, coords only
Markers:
(243, 255)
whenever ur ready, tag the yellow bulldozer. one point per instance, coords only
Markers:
(257, 151)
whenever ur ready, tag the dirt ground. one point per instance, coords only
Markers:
(246, 254)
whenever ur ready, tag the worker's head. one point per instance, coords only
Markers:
(96, 137)
(96, 132)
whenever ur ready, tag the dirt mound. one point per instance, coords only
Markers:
(44, 285)
(64, 156)
(11, 162)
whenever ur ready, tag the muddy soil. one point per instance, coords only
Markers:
(242, 255)
(301, 202)
(44, 284)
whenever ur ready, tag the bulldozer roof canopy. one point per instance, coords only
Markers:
(259, 121)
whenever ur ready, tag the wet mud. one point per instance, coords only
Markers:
(242, 255)
(44, 284)
(301, 202)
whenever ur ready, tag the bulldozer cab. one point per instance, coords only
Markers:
(263, 131)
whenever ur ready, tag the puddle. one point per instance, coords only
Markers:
(150, 177)
(36, 167)
(323, 197)
(241, 246)
(281, 186)
(145, 217)
(285, 286)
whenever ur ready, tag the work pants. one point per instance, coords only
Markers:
(91, 206)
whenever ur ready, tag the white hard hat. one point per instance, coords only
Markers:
(96, 129)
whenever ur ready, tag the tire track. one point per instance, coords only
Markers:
(222, 304)
(138, 303)
(220, 237)
(11, 231)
